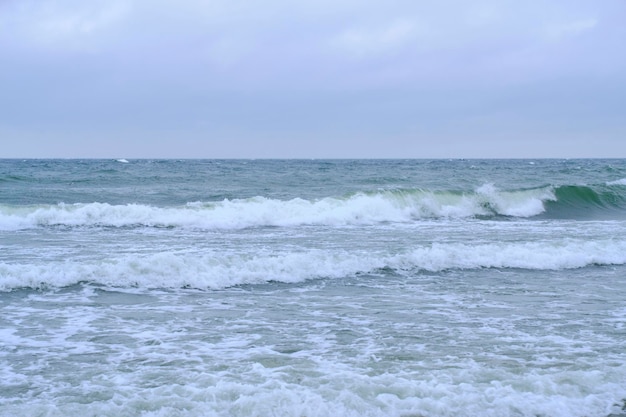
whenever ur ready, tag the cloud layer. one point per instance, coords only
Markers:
(312, 78)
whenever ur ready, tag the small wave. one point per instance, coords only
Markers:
(617, 182)
(222, 270)
(14, 178)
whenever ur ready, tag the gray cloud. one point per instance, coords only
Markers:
(313, 78)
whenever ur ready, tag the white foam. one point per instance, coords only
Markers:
(221, 270)
(525, 203)
(617, 182)
(261, 391)
(359, 209)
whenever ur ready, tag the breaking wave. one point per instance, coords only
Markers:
(221, 270)
(357, 209)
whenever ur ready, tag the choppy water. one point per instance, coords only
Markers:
(313, 288)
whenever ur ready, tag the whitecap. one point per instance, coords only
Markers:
(358, 209)
(217, 270)
(617, 182)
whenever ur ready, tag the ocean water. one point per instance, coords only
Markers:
(409, 288)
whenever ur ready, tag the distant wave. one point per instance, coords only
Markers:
(14, 178)
(222, 270)
(617, 182)
(363, 208)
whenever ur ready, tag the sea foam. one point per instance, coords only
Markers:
(221, 270)
(617, 182)
(357, 209)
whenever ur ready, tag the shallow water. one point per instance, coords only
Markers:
(253, 291)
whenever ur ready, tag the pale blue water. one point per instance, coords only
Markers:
(313, 288)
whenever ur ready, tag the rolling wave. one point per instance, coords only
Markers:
(10, 178)
(581, 201)
(217, 270)
(364, 208)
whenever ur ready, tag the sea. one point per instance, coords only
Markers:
(313, 288)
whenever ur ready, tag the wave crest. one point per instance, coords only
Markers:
(221, 270)
(359, 208)
(362, 208)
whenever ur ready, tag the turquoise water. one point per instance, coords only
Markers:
(313, 288)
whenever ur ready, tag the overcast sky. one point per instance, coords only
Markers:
(312, 78)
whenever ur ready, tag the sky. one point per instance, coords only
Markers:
(312, 79)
